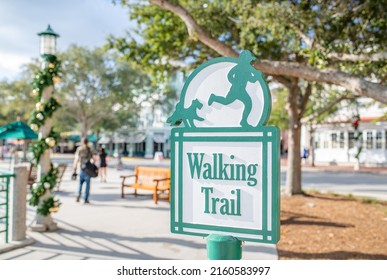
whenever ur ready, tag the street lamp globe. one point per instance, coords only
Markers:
(48, 41)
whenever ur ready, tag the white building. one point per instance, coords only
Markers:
(334, 141)
(152, 134)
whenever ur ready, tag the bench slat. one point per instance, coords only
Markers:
(149, 178)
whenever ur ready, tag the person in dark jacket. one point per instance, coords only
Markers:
(102, 164)
(82, 155)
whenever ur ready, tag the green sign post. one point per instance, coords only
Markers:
(225, 163)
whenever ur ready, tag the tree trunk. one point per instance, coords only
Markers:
(293, 175)
(85, 128)
(311, 146)
(111, 136)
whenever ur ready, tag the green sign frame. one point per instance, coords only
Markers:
(243, 143)
(269, 233)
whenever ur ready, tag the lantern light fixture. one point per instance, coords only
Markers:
(48, 41)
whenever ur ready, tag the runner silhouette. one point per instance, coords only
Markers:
(239, 76)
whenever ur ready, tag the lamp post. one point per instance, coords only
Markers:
(41, 121)
(48, 42)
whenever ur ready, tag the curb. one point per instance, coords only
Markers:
(16, 245)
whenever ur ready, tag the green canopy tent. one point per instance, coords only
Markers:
(17, 130)
(76, 138)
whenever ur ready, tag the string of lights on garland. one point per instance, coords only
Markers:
(49, 75)
(37, 149)
(42, 112)
(47, 182)
(46, 77)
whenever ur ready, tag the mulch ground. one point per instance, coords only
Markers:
(327, 226)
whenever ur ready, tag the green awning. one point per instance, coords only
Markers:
(77, 138)
(17, 130)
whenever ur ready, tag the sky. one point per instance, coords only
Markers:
(82, 22)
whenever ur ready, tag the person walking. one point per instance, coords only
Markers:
(102, 164)
(82, 155)
(304, 154)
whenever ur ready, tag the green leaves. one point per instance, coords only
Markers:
(51, 106)
(46, 77)
(37, 118)
(15, 100)
(161, 37)
(279, 115)
(48, 182)
(100, 91)
(39, 147)
(317, 58)
(44, 110)
(48, 206)
(313, 33)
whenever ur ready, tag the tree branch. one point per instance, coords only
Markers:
(283, 80)
(195, 31)
(326, 108)
(303, 36)
(358, 57)
(339, 56)
(95, 115)
(305, 99)
(330, 76)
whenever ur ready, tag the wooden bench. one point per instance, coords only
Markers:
(154, 179)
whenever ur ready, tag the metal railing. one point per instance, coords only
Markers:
(5, 179)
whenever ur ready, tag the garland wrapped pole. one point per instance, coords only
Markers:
(40, 120)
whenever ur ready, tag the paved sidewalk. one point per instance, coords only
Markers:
(339, 168)
(130, 228)
(115, 228)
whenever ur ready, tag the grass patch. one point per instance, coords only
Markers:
(312, 191)
(369, 200)
(337, 195)
(366, 200)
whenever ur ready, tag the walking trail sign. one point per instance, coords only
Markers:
(225, 161)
